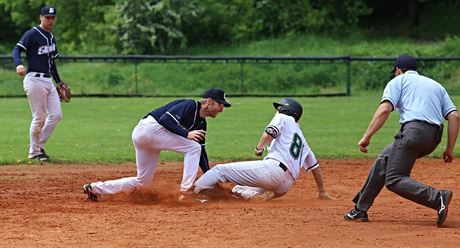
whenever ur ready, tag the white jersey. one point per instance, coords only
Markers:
(290, 146)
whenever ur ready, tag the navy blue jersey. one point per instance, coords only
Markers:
(41, 50)
(180, 117)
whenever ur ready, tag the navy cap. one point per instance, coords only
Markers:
(48, 11)
(406, 62)
(217, 95)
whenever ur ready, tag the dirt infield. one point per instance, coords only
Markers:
(43, 206)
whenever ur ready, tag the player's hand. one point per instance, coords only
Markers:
(258, 152)
(325, 196)
(196, 135)
(448, 156)
(363, 143)
(21, 70)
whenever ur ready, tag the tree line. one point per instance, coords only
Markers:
(165, 26)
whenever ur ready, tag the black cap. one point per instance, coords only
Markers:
(217, 95)
(405, 61)
(48, 11)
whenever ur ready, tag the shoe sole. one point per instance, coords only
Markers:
(449, 196)
(357, 220)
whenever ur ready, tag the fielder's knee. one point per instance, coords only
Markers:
(144, 184)
(194, 148)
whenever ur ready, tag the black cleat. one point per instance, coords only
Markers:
(445, 196)
(89, 191)
(40, 157)
(44, 155)
(356, 215)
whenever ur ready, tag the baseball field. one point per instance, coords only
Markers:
(42, 205)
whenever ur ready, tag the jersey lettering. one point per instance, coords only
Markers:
(46, 49)
(296, 146)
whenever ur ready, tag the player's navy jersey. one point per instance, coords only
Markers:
(41, 50)
(180, 116)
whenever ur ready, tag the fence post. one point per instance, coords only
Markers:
(348, 82)
(135, 78)
(241, 77)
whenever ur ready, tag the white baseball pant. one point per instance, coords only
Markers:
(149, 138)
(45, 107)
(259, 175)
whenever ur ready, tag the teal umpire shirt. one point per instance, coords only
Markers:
(418, 98)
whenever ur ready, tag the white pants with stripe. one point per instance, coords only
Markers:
(45, 107)
(149, 138)
(259, 175)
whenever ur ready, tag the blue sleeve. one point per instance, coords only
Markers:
(204, 162)
(171, 118)
(54, 71)
(172, 125)
(21, 46)
(392, 91)
(17, 55)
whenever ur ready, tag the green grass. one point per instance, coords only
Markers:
(98, 130)
(187, 78)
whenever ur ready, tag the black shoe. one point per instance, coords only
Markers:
(357, 215)
(44, 155)
(40, 157)
(89, 191)
(445, 196)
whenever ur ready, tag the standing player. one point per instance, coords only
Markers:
(423, 104)
(41, 50)
(178, 126)
(275, 174)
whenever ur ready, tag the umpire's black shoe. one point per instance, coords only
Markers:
(356, 215)
(445, 196)
(89, 191)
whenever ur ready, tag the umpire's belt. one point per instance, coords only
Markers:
(424, 122)
(282, 166)
(45, 75)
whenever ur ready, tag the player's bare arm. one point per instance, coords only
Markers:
(379, 118)
(264, 141)
(322, 194)
(452, 133)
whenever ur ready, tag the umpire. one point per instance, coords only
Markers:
(423, 104)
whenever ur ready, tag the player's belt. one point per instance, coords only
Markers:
(282, 166)
(45, 75)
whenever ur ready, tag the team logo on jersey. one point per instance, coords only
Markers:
(46, 49)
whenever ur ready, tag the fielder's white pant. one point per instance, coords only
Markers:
(259, 175)
(45, 107)
(149, 138)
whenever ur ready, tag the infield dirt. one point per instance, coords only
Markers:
(43, 206)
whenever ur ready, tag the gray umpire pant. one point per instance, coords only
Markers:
(393, 166)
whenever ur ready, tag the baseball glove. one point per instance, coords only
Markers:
(63, 92)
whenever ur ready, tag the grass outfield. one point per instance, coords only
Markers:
(98, 130)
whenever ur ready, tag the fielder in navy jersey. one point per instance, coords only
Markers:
(178, 126)
(40, 47)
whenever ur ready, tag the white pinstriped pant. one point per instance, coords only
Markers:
(149, 138)
(45, 107)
